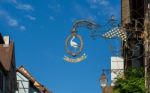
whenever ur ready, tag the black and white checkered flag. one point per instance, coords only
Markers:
(117, 31)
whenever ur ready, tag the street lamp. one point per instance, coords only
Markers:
(106, 87)
(103, 82)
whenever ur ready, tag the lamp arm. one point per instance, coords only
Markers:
(87, 23)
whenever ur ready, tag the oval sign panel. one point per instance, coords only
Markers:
(74, 47)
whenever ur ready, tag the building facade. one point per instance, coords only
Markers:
(7, 66)
(133, 21)
(136, 20)
(26, 83)
(147, 44)
(117, 68)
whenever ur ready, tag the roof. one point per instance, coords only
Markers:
(6, 54)
(39, 86)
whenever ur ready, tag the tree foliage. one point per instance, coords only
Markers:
(132, 82)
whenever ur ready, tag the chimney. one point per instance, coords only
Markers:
(6, 41)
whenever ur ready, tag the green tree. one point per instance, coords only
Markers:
(132, 82)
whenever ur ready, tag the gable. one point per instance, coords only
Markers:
(21, 77)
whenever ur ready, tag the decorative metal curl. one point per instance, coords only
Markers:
(87, 23)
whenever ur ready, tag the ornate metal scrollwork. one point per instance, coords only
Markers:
(114, 30)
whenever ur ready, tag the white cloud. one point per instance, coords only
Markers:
(51, 18)
(12, 22)
(93, 1)
(100, 2)
(22, 6)
(55, 7)
(14, 1)
(104, 7)
(23, 28)
(31, 17)
(103, 2)
(26, 7)
(83, 12)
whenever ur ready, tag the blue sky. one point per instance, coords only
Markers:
(39, 29)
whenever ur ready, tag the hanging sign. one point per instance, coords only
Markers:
(74, 47)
